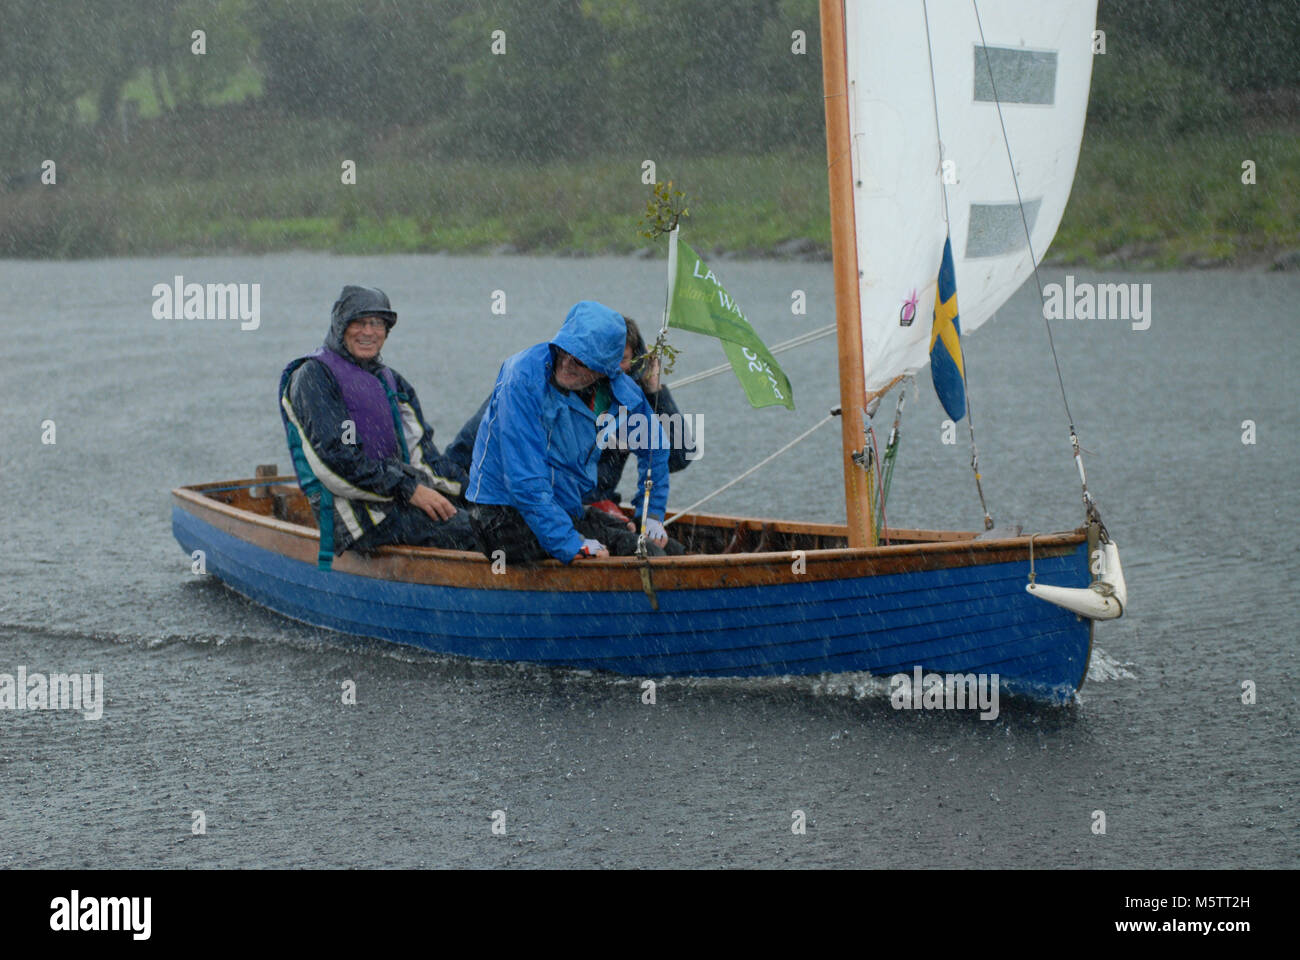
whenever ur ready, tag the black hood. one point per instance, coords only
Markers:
(355, 302)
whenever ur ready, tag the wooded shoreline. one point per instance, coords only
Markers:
(510, 127)
(1135, 204)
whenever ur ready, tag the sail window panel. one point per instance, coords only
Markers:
(995, 229)
(1020, 76)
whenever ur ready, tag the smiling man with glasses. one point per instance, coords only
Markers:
(536, 450)
(362, 449)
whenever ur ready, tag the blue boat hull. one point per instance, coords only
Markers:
(972, 618)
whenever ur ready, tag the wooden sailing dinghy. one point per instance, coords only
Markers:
(947, 601)
(768, 597)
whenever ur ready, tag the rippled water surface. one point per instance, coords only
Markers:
(214, 704)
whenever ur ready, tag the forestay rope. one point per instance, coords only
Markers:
(1089, 504)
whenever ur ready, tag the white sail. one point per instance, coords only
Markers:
(1041, 55)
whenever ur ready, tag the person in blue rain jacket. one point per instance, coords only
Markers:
(537, 448)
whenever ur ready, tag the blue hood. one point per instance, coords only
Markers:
(594, 334)
(537, 446)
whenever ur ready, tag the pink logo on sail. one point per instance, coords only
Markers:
(908, 313)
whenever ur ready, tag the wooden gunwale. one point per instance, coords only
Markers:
(288, 485)
(457, 568)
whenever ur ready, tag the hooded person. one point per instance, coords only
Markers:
(682, 447)
(536, 450)
(361, 447)
(609, 469)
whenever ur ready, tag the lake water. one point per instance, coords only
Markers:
(214, 704)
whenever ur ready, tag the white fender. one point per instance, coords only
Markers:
(1104, 599)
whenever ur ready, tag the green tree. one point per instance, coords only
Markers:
(370, 63)
(546, 95)
(1241, 45)
(43, 51)
(692, 77)
(193, 79)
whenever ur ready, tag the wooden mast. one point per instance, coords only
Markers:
(859, 490)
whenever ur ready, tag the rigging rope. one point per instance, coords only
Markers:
(881, 532)
(975, 458)
(1089, 503)
(970, 409)
(891, 453)
(1020, 204)
(934, 95)
(762, 463)
(798, 341)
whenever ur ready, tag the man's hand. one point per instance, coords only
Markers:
(655, 532)
(433, 503)
(591, 548)
(650, 378)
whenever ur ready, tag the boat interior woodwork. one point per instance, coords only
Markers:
(701, 534)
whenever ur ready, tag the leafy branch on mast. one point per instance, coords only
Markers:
(663, 212)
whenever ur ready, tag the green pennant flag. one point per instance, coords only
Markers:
(698, 302)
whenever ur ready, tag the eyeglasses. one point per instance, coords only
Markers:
(582, 367)
(378, 323)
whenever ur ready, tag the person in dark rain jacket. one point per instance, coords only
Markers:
(536, 450)
(363, 452)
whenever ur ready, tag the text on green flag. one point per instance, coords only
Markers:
(700, 304)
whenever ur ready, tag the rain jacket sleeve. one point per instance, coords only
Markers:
(318, 402)
(528, 476)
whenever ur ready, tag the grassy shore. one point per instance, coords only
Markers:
(239, 181)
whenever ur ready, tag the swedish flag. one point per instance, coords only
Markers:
(946, 365)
